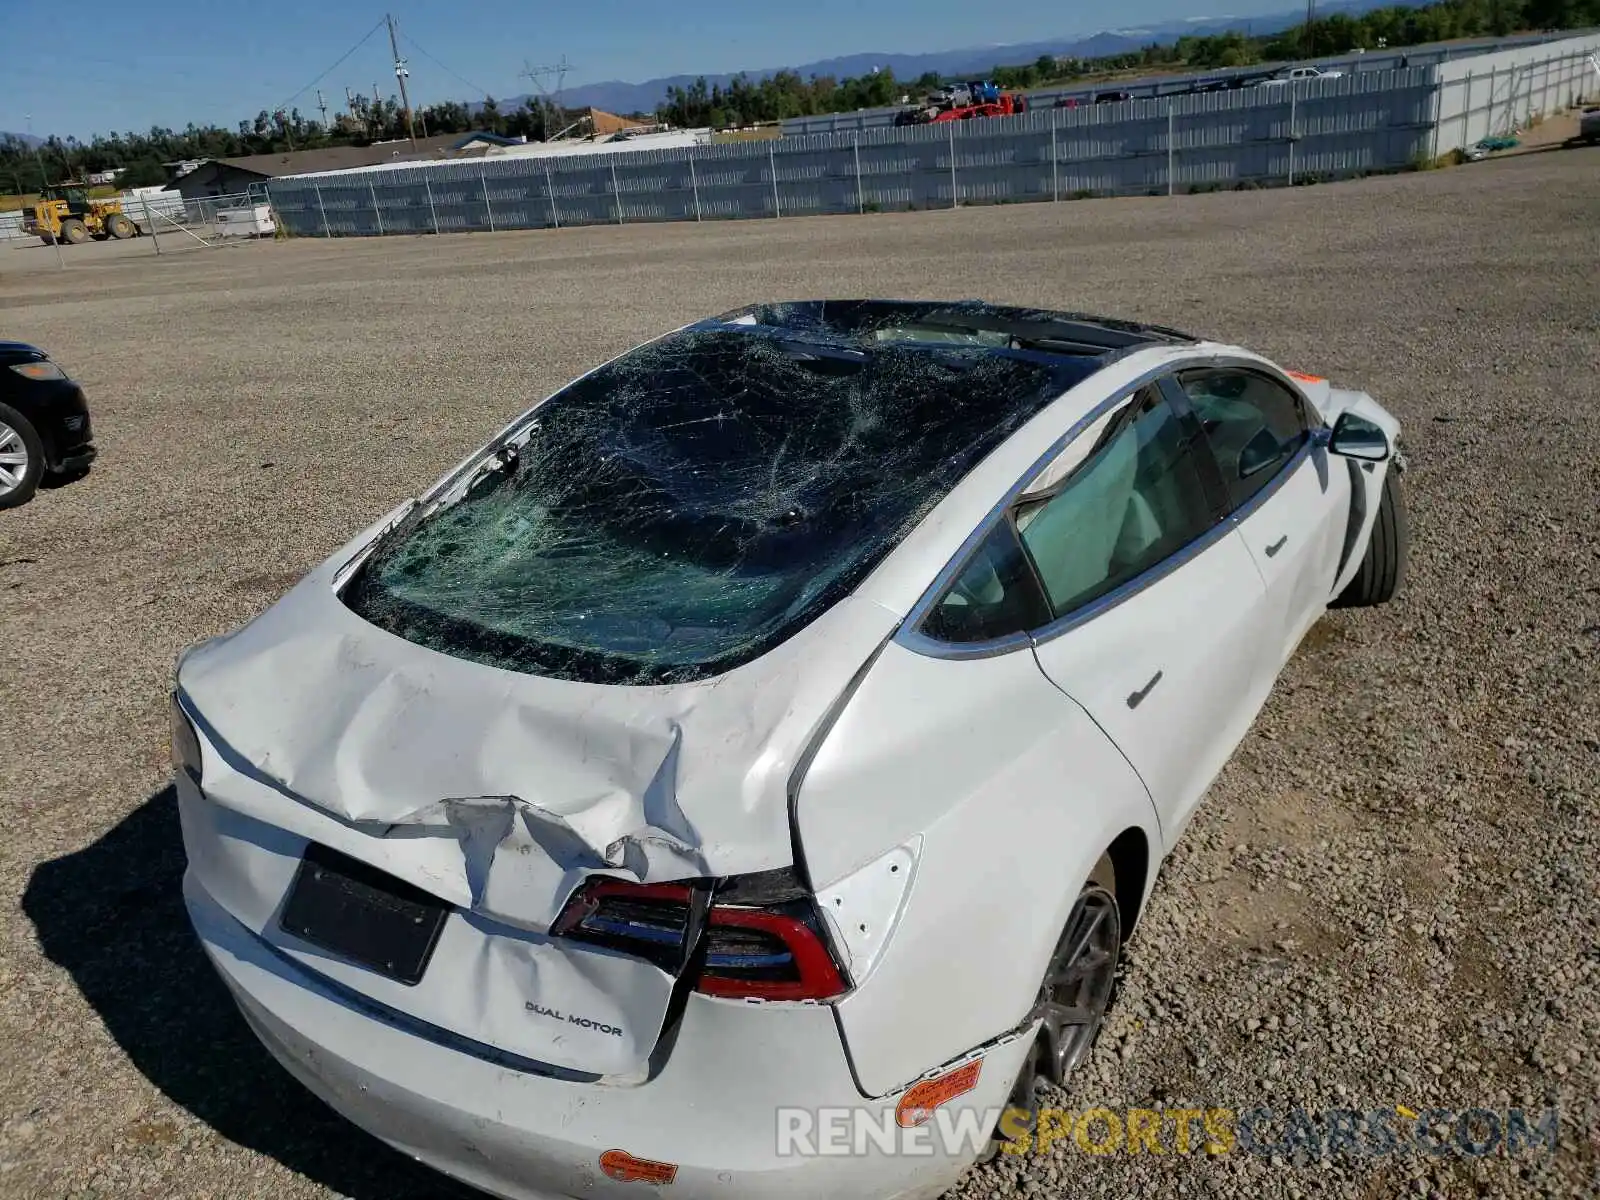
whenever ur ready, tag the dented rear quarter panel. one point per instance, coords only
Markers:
(1015, 792)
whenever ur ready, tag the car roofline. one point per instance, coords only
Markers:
(1077, 332)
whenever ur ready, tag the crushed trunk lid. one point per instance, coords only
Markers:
(501, 793)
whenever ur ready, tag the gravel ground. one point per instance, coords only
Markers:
(1390, 898)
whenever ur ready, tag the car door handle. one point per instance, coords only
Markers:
(1137, 698)
(1277, 545)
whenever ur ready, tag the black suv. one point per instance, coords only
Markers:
(44, 423)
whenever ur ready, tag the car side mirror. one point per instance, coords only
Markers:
(1357, 437)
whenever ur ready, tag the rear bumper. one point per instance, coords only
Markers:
(712, 1111)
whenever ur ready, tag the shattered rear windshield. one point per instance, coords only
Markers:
(688, 507)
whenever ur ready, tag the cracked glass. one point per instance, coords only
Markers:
(691, 505)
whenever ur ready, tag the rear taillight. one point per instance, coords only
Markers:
(758, 938)
(772, 955)
(650, 920)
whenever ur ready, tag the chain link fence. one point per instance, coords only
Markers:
(161, 210)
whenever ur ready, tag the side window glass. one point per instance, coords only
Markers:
(1254, 425)
(1133, 500)
(995, 594)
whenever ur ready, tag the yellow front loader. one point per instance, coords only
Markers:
(67, 214)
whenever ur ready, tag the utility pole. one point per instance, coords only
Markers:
(322, 107)
(550, 103)
(44, 179)
(1311, 28)
(400, 73)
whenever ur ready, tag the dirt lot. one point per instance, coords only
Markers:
(1390, 899)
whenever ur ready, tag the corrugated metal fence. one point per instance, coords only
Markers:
(1222, 139)
(1370, 121)
(1164, 85)
(1497, 94)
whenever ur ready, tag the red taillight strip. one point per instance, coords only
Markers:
(819, 978)
(587, 899)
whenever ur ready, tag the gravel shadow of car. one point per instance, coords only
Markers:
(51, 481)
(112, 915)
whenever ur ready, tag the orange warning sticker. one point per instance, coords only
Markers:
(625, 1168)
(1304, 378)
(917, 1105)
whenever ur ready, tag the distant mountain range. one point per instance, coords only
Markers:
(619, 97)
(25, 139)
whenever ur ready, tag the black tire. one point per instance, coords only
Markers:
(74, 231)
(49, 239)
(18, 429)
(119, 227)
(1384, 564)
(1100, 894)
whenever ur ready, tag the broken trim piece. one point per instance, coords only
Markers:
(981, 1050)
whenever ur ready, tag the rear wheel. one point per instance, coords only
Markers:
(1074, 998)
(74, 231)
(1383, 566)
(119, 227)
(21, 458)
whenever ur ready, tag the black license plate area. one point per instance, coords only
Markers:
(358, 912)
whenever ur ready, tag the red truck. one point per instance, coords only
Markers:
(1009, 104)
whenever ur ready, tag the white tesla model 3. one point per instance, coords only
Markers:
(788, 717)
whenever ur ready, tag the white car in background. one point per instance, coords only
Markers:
(791, 714)
(1300, 74)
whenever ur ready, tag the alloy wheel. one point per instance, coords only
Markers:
(13, 459)
(1071, 1007)
(1077, 988)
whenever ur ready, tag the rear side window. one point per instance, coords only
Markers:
(995, 595)
(1130, 503)
(692, 505)
(1254, 425)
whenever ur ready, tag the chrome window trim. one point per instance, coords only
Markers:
(1290, 466)
(1310, 418)
(1171, 563)
(913, 639)
(910, 634)
(1132, 587)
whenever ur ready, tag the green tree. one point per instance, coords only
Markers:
(489, 119)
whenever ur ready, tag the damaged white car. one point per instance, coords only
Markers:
(785, 720)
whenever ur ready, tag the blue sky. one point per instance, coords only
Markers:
(120, 65)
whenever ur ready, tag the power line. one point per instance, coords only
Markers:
(364, 39)
(410, 41)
